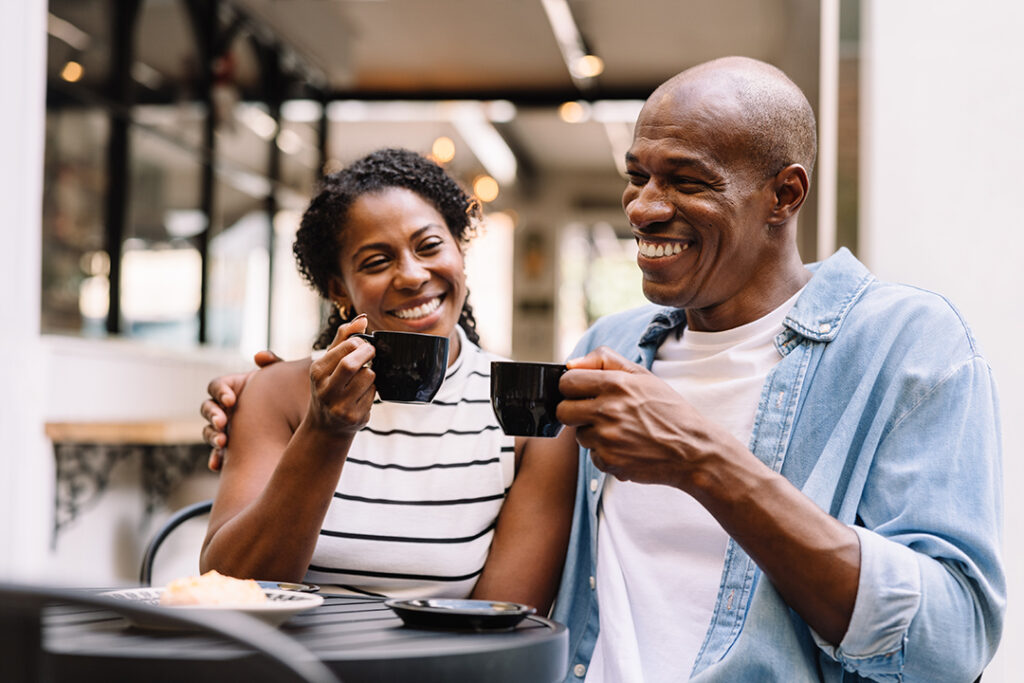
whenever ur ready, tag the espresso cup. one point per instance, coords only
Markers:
(409, 366)
(524, 397)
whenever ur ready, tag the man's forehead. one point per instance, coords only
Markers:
(711, 102)
(670, 153)
(679, 138)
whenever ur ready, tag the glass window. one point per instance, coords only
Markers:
(239, 263)
(75, 265)
(161, 268)
(298, 310)
(598, 276)
(300, 156)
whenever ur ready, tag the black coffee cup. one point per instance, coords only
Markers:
(409, 366)
(524, 397)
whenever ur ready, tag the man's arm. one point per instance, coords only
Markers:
(639, 429)
(883, 604)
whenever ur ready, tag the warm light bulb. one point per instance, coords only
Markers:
(72, 72)
(485, 188)
(574, 112)
(588, 66)
(443, 149)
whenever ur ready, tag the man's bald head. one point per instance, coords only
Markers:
(777, 119)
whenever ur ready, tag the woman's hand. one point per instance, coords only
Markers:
(341, 384)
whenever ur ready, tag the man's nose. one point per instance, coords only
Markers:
(647, 205)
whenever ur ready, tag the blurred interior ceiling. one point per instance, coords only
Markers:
(508, 50)
(436, 56)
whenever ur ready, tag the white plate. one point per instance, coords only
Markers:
(280, 606)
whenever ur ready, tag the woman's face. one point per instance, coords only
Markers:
(400, 265)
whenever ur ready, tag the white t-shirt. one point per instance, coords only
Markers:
(660, 553)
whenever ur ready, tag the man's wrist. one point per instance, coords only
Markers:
(730, 475)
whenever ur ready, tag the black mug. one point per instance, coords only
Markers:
(409, 366)
(524, 397)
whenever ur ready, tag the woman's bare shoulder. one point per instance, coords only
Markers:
(280, 389)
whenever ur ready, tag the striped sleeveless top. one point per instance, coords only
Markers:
(417, 502)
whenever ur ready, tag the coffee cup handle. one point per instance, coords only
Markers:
(367, 337)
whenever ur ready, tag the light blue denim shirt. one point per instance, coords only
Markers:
(883, 412)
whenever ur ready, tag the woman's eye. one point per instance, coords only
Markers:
(374, 262)
(431, 244)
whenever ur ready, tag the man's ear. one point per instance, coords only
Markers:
(790, 187)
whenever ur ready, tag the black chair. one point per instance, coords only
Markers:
(23, 659)
(176, 520)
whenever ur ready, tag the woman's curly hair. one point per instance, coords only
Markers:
(317, 243)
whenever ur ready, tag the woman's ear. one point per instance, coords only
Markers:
(790, 187)
(339, 295)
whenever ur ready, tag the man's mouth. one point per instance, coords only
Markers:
(420, 311)
(661, 249)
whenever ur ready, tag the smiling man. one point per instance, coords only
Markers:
(805, 461)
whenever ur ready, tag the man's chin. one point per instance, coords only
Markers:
(662, 294)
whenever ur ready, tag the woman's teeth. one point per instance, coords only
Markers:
(419, 311)
(652, 250)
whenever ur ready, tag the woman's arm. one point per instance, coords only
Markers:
(528, 550)
(290, 436)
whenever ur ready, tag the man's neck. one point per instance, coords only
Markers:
(743, 310)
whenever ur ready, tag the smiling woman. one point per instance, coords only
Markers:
(325, 483)
(406, 224)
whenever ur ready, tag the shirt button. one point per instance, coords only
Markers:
(579, 671)
(824, 327)
(593, 583)
(593, 485)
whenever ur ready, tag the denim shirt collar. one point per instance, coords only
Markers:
(817, 315)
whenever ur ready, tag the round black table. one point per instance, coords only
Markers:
(358, 638)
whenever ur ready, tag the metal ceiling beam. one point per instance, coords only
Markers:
(519, 97)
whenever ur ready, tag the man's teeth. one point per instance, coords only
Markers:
(419, 311)
(652, 250)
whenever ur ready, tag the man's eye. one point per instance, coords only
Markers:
(636, 178)
(690, 184)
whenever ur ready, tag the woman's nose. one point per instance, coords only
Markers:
(646, 205)
(411, 274)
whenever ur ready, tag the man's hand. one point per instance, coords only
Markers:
(638, 429)
(224, 392)
(636, 426)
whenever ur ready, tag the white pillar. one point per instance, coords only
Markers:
(26, 486)
(942, 111)
(828, 127)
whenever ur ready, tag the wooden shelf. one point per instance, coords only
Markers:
(149, 432)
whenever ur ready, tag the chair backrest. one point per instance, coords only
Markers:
(176, 520)
(21, 641)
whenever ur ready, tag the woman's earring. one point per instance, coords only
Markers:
(342, 310)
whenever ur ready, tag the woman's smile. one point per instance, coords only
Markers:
(400, 265)
(418, 311)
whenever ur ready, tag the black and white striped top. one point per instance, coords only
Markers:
(416, 505)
